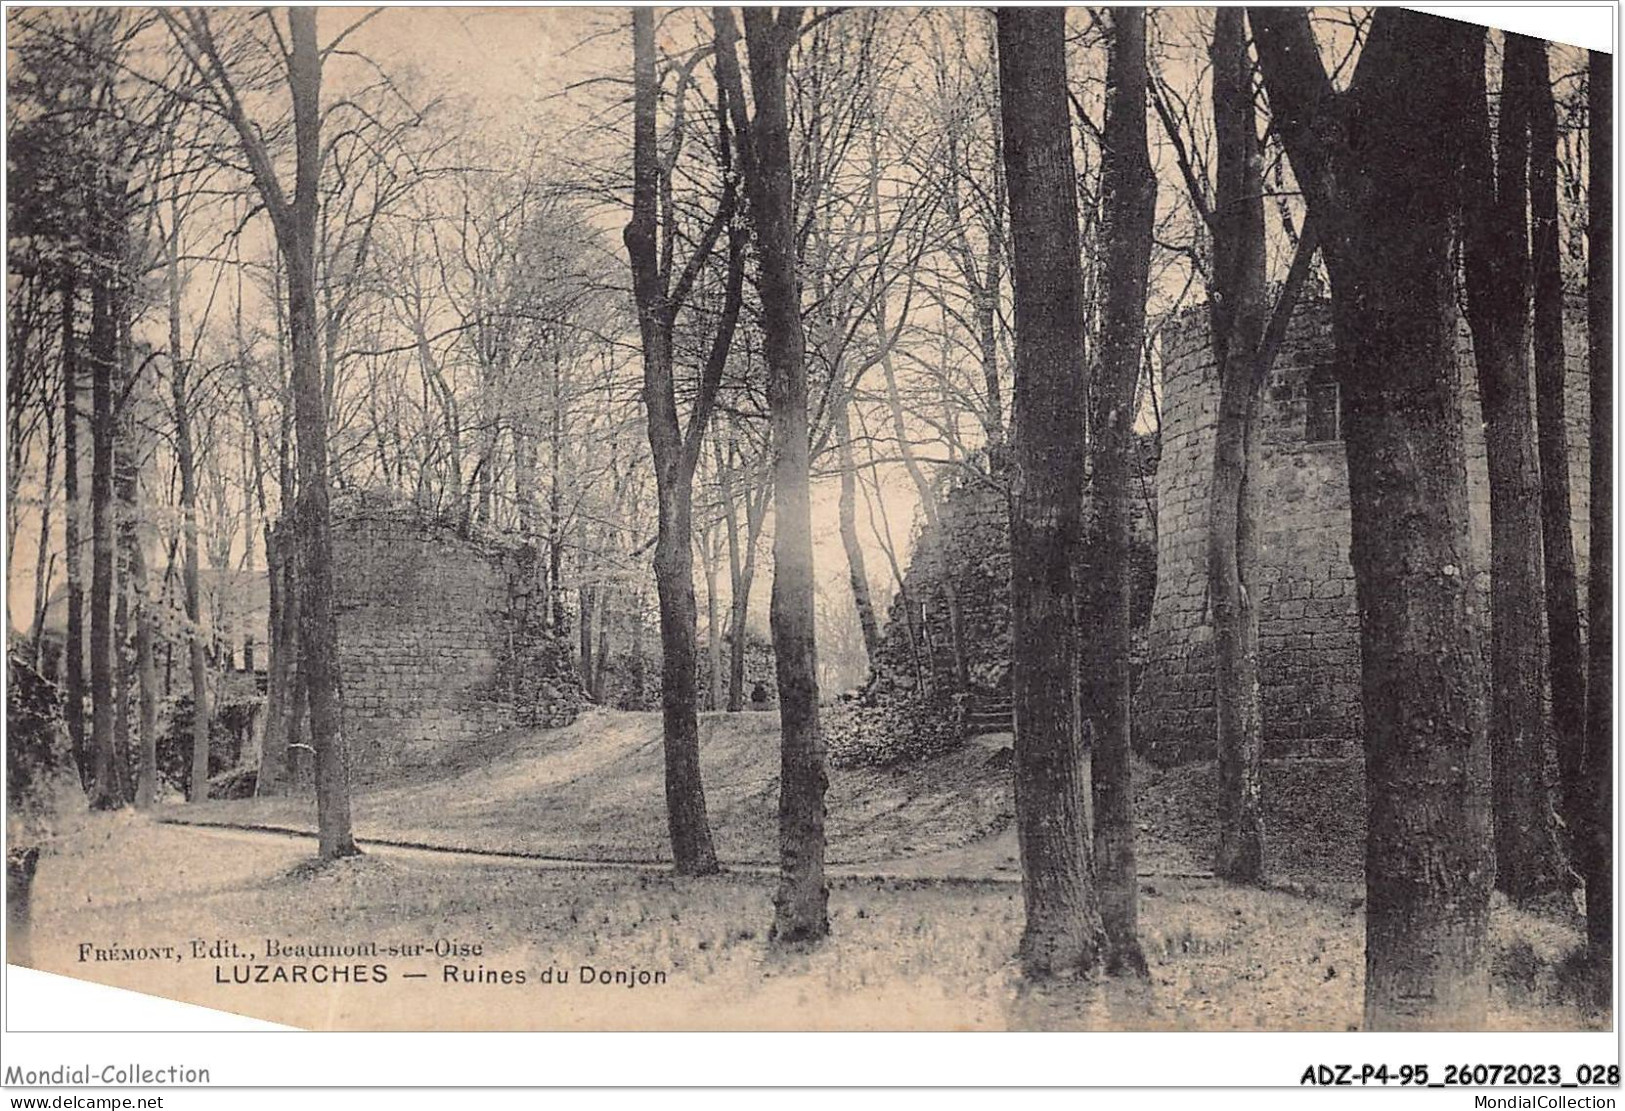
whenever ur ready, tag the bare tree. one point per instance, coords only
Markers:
(801, 904)
(1237, 309)
(743, 541)
(294, 222)
(181, 386)
(108, 245)
(1386, 206)
(1063, 931)
(73, 514)
(1528, 861)
(677, 449)
(1128, 189)
(1566, 657)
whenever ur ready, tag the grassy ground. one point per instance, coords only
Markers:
(922, 954)
(594, 791)
(927, 946)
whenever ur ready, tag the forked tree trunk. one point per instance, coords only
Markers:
(676, 450)
(1528, 859)
(1599, 753)
(1386, 208)
(1128, 201)
(1063, 931)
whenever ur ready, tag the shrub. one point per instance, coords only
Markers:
(901, 728)
(229, 735)
(40, 774)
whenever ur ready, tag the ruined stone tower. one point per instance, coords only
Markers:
(1309, 646)
(442, 638)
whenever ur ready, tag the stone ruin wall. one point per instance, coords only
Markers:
(972, 550)
(1309, 647)
(441, 640)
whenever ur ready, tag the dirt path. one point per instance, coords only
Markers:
(592, 791)
(904, 952)
(990, 859)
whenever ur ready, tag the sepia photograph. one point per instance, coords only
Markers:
(849, 519)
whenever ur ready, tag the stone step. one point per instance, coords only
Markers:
(990, 717)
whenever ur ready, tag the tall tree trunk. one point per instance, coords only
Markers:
(801, 904)
(74, 651)
(730, 516)
(634, 667)
(1063, 932)
(197, 785)
(857, 573)
(1238, 310)
(299, 763)
(713, 624)
(692, 851)
(601, 657)
(739, 602)
(1386, 206)
(987, 333)
(1599, 753)
(44, 557)
(274, 769)
(676, 450)
(146, 787)
(131, 605)
(104, 364)
(586, 598)
(1565, 657)
(1128, 203)
(312, 525)
(559, 619)
(1527, 856)
(273, 772)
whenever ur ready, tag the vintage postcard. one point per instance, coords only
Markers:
(869, 519)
